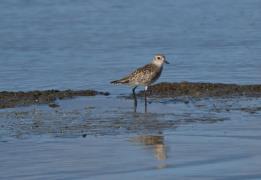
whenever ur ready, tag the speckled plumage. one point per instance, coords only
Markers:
(145, 75)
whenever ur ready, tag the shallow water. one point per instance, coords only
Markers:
(101, 138)
(85, 44)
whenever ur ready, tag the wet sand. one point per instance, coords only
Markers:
(203, 90)
(101, 137)
(12, 99)
(162, 90)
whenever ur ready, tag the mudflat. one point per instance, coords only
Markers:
(162, 90)
(166, 89)
(12, 99)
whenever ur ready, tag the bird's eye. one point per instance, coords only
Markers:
(158, 58)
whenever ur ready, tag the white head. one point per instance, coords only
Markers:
(159, 60)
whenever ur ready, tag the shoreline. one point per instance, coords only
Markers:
(9, 99)
(198, 90)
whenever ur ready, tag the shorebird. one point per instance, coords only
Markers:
(144, 76)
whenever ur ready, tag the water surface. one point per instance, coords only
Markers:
(85, 44)
(101, 138)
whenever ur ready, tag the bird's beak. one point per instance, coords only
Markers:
(166, 62)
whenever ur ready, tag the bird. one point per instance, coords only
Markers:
(144, 76)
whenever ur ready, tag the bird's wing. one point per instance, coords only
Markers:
(143, 74)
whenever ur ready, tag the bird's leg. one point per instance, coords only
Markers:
(135, 98)
(145, 97)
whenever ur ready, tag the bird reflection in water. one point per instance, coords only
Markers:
(155, 141)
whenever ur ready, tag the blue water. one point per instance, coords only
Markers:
(199, 140)
(83, 44)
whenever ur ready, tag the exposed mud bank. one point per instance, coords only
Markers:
(12, 99)
(202, 90)
(161, 90)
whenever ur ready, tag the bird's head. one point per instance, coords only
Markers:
(159, 60)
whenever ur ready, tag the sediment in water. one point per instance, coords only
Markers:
(11, 99)
(168, 90)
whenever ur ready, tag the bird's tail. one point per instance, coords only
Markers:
(121, 81)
